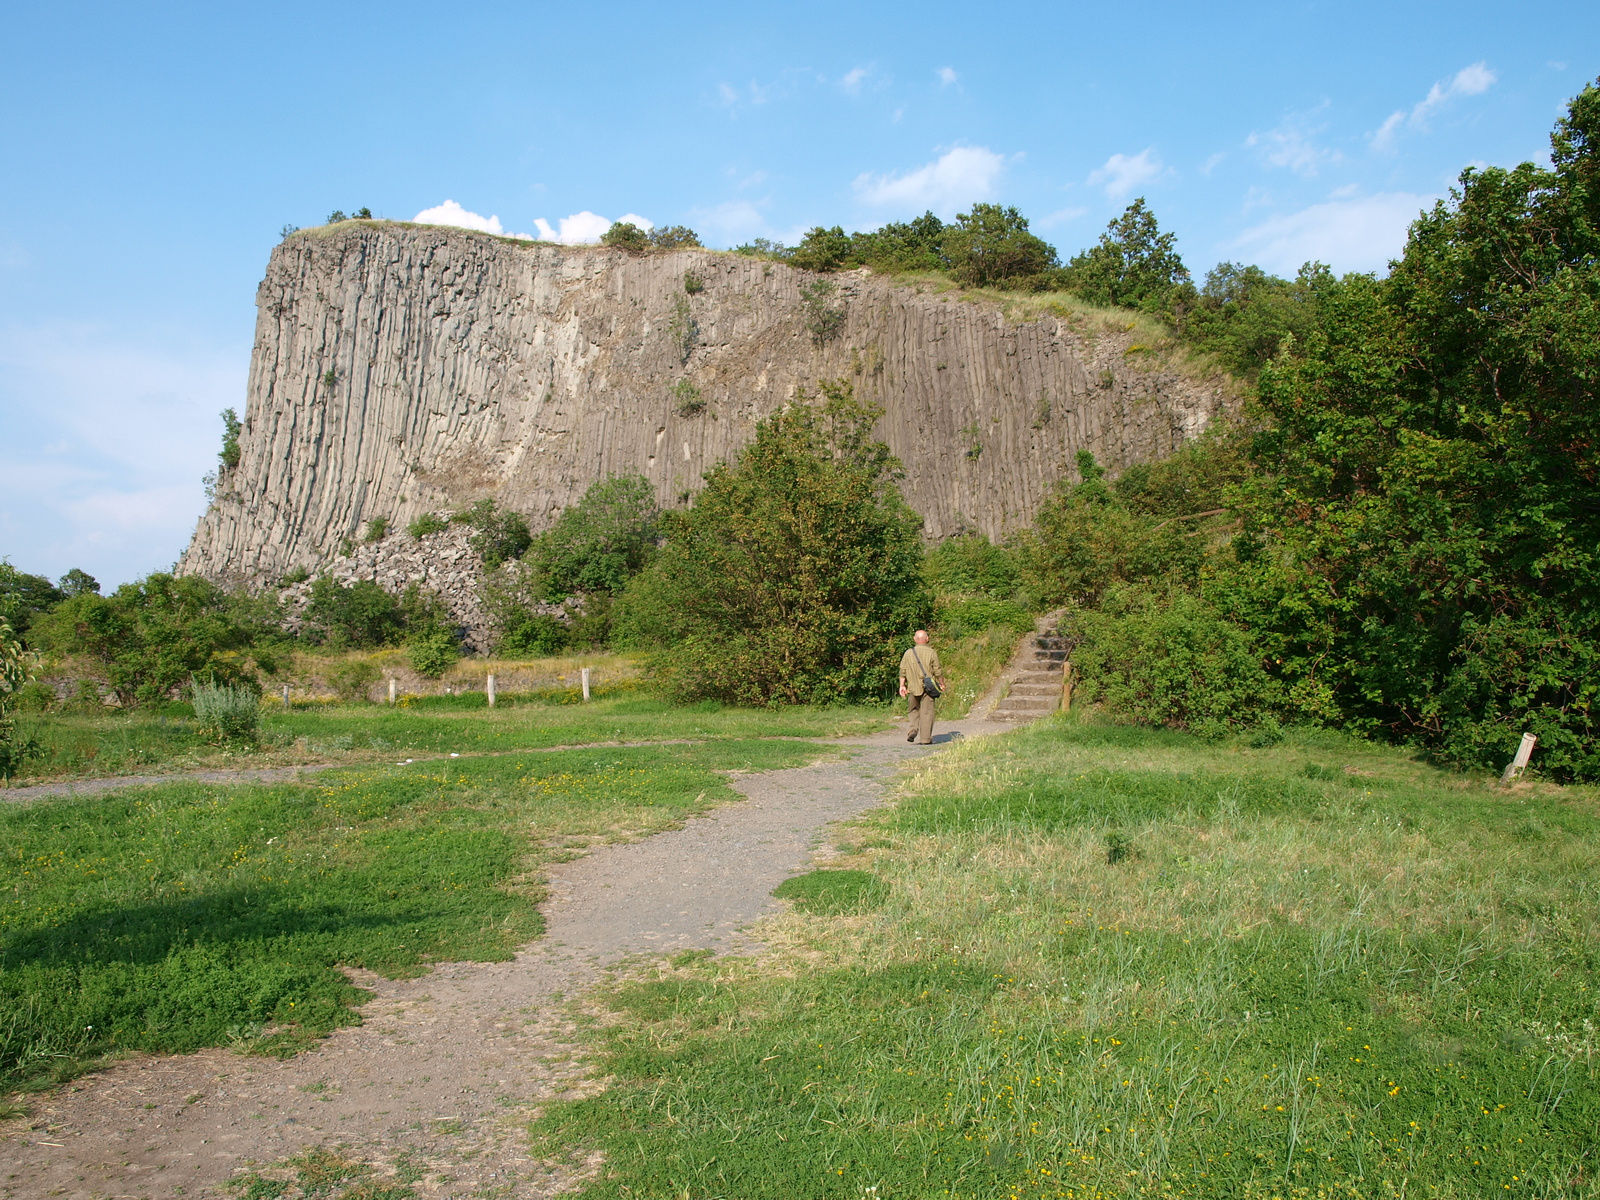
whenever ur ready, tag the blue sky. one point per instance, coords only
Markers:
(152, 153)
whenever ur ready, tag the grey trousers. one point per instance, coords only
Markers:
(921, 708)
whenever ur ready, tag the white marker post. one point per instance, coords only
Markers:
(1519, 764)
(490, 689)
(286, 697)
(391, 689)
(585, 676)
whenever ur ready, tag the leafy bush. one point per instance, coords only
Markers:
(226, 712)
(353, 679)
(674, 237)
(795, 572)
(690, 402)
(991, 247)
(972, 565)
(427, 523)
(377, 530)
(601, 542)
(693, 284)
(432, 654)
(23, 598)
(824, 317)
(534, 635)
(502, 535)
(149, 638)
(16, 673)
(358, 615)
(958, 618)
(1173, 660)
(625, 235)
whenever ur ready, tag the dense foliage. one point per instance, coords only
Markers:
(796, 569)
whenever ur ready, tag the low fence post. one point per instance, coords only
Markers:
(584, 674)
(286, 697)
(391, 689)
(1519, 764)
(1066, 687)
(490, 689)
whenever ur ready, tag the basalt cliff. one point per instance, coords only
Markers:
(402, 369)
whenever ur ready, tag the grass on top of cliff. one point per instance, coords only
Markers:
(143, 741)
(186, 915)
(1091, 960)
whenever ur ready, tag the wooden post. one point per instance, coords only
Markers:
(490, 689)
(1066, 687)
(585, 676)
(1519, 764)
(391, 689)
(286, 697)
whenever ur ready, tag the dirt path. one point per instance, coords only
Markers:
(435, 1088)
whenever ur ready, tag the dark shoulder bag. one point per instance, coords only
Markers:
(929, 687)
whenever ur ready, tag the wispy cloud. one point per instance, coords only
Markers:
(1123, 173)
(957, 177)
(731, 222)
(947, 75)
(1349, 233)
(1060, 217)
(851, 82)
(1292, 143)
(1469, 81)
(103, 443)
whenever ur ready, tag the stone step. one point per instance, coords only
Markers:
(1050, 655)
(1051, 677)
(1033, 704)
(1035, 689)
(1050, 642)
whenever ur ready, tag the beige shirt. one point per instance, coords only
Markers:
(911, 672)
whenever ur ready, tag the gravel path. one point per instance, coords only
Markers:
(436, 1086)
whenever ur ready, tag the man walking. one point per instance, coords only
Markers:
(916, 664)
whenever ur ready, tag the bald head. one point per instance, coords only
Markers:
(921, 637)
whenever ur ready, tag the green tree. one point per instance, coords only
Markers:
(16, 672)
(501, 535)
(150, 637)
(991, 247)
(1424, 549)
(624, 235)
(674, 237)
(1246, 317)
(1133, 265)
(24, 598)
(796, 571)
(602, 541)
(824, 250)
(357, 615)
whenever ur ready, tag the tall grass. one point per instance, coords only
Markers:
(1316, 969)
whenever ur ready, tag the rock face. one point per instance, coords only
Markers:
(402, 369)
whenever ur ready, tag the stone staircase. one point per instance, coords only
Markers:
(1030, 686)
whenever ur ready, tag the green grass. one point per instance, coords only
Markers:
(142, 741)
(1113, 961)
(186, 915)
(832, 891)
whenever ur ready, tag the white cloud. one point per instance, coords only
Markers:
(103, 443)
(957, 177)
(1211, 163)
(1292, 143)
(1122, 173)
(451, 213)
(1349, 233)
(585, 228)
(947, 75)
(1473, 80)
(852, 80)
(1060, 217)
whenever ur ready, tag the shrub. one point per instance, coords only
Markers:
(377, 529)
(991, 247)
(823, 317)
(150, 637)
(353, 679)
(958, 618)
(795, 572)
(226, 712)
(357, 615)
(23, 598)
(533, 635)
(601, 542)
(432, 654)
(690, 402)
(502, 535)
(972, 565)
(624, 235)
(693, 284)
(427, 523)
(674, 237)
(16, 672)
(1173, 660)
(683, 327)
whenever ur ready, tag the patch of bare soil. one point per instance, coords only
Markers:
(434, 1090)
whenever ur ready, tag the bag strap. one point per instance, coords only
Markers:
(918, 657)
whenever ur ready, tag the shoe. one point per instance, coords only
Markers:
(911, 737)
